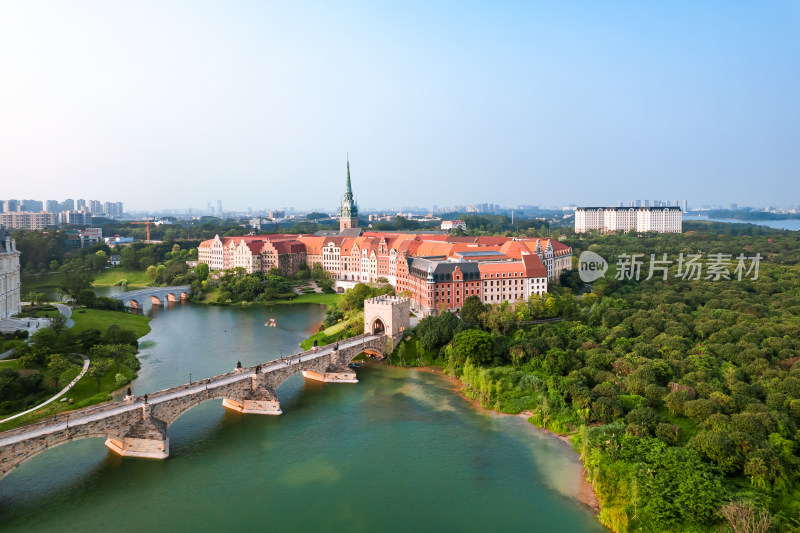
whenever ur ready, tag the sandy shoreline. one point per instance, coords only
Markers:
(585, 494)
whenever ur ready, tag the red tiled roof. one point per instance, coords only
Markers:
(534, 268)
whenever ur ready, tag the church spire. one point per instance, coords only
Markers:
(348, 190)
(348, 216)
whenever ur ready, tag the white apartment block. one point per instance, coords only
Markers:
(25, 220)
(643, 219)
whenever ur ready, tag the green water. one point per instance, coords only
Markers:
(398, 451)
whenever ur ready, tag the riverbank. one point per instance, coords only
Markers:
(585, 494)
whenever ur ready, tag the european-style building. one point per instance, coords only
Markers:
(9, 276)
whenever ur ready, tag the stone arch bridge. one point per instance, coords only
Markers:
(157, 295)
(137, 426)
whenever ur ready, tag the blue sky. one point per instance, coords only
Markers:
(173, 104)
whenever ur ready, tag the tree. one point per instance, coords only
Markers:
(437, 330)
(117, 335)
(98, 261)
(201, 271)
(99, 369)
(473, 343)
(677, 487)
(354, 298)
(88, 338)
(86, 297)
(151, 272)
(118, 353)
(744, 517)
(127, 257)
(75, 280)
(58, 365)
(472, 310)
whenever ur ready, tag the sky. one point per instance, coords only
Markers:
(171, 104)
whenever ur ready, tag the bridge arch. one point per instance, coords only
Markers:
(25, 456)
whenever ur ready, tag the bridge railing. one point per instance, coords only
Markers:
(151, 291)
(60, 418)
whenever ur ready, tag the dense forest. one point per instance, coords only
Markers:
(682, 396)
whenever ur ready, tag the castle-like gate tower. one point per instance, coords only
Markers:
(387, 315)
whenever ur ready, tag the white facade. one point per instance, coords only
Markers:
(451, 224)
(211, 253)
(608, 219)
(25, 220)
(9, 276)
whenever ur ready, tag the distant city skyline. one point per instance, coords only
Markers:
(255, 104)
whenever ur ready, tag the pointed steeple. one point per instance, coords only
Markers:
(347, 189)
(348, 215)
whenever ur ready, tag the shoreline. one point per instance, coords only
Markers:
(585, 495)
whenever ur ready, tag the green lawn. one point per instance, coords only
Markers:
(315, 298)
(114, 275)
(9, 364)
(100, 319)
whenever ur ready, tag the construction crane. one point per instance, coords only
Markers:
(147, 221)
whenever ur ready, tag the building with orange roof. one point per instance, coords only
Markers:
(436, 283)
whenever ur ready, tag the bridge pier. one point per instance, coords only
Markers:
(332, 375)
(336, 372)
(263, 402)
(146, 438)
(155, 300)
(259, 400)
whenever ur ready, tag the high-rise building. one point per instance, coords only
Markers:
(10, 206)
(81, 205)
(68, 205)
(348, 214)
(75, 218)
(24, 220)
(31, 206)
(52, 206)
(685, 206)
(219, 208)
(95, 207)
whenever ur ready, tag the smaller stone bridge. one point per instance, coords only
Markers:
(157, 295)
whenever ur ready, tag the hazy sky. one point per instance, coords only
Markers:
(172, 104)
